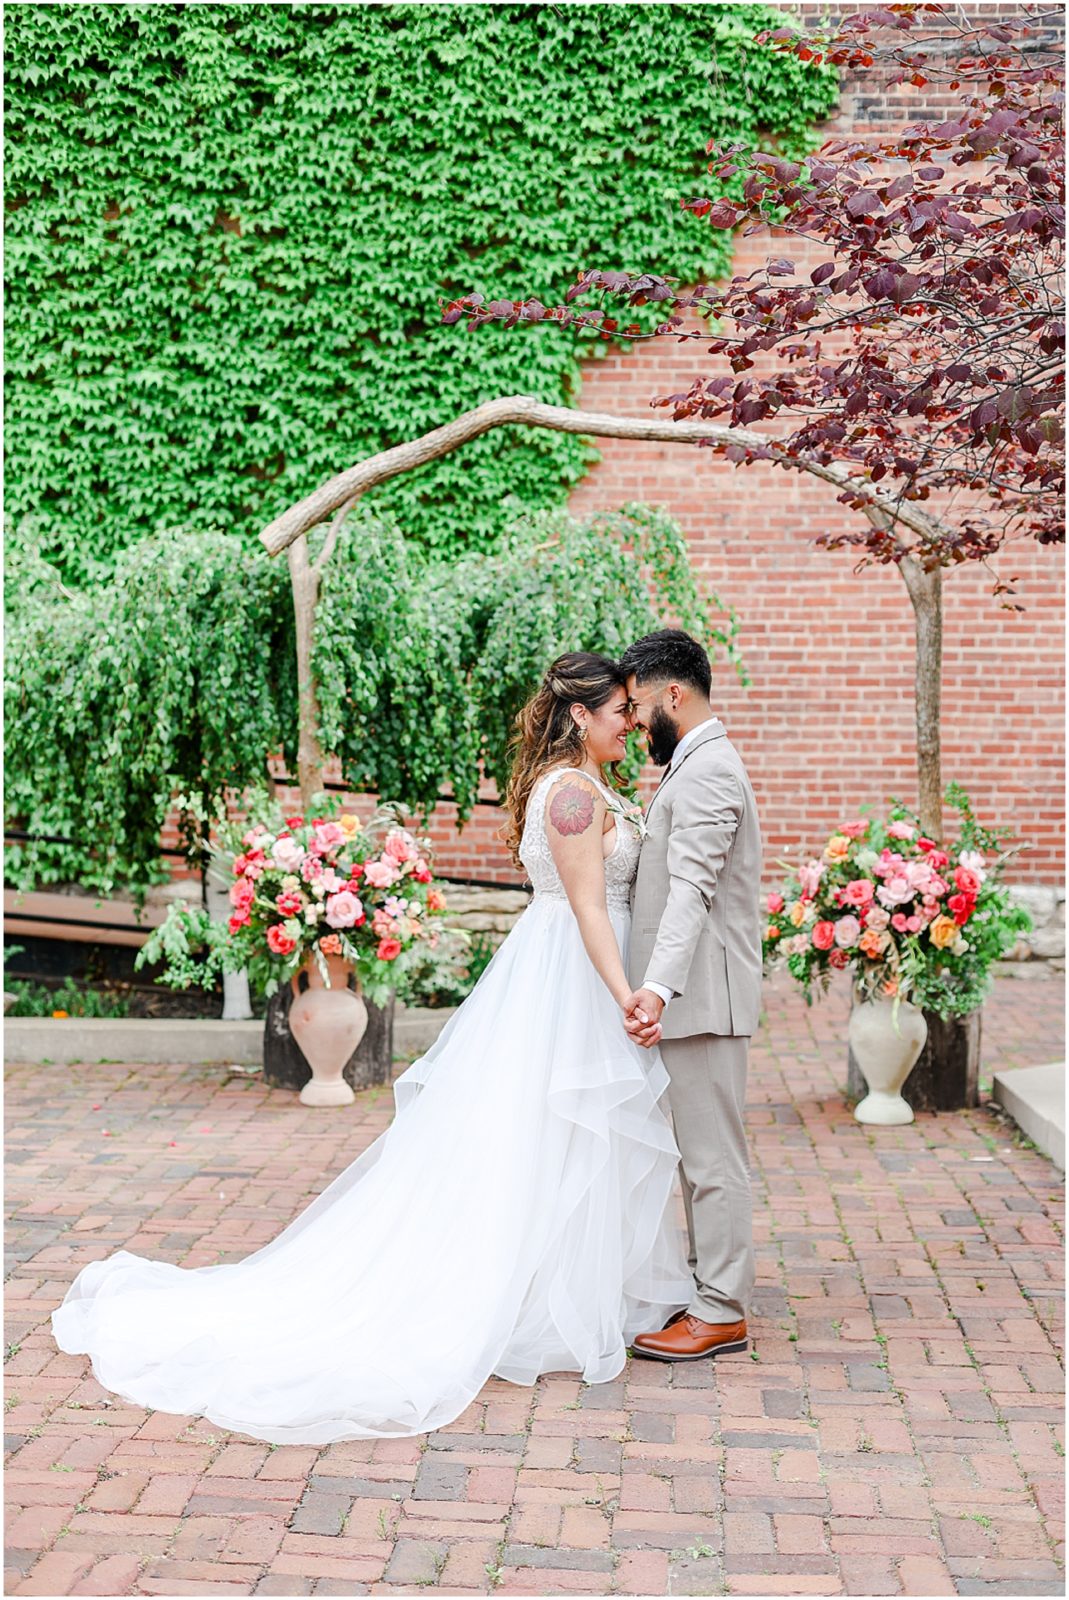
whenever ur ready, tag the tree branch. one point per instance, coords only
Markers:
(525, 411)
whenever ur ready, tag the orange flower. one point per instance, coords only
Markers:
(943, 931)
(771, 932)
(61, 1013)
(837, 848)
(874, 943)
(890, 986)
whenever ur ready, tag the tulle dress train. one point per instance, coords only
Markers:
(516, 1218)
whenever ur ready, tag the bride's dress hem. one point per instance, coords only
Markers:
(515, 1219)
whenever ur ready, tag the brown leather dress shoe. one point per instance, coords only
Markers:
(689, 1339)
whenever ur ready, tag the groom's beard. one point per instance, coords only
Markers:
(662, 735)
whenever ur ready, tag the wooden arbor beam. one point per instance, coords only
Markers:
(525, 411)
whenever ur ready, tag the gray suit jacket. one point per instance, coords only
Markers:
(696, 924)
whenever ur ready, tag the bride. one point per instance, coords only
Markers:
(515, 1218)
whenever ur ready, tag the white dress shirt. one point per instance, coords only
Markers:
(661, 989)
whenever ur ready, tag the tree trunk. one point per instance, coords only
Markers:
(926, 593)
(304, 578)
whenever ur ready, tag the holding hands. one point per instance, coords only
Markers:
(642, 1017)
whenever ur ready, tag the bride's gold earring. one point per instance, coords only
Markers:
(582, 731)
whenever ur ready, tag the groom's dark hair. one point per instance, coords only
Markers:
(669, 655)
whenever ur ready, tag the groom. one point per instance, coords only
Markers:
(695, 964)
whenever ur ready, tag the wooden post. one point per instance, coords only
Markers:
(926, 594)
(304, 577)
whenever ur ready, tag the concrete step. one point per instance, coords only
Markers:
(184, 1040)
(1035, 1098)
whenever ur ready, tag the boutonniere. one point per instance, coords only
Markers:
(632, 811)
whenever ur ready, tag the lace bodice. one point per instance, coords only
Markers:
(620, 865)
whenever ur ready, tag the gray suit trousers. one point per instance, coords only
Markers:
(707, 1096)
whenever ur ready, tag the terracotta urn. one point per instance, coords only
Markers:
(886, 1047)
(328, 1022)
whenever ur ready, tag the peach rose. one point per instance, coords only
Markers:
(873, 943)
(837, 847)
(943, 931)
(796, 913)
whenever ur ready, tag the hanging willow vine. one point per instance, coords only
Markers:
(178, 674)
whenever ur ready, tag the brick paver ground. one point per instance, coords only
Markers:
(894, 1429)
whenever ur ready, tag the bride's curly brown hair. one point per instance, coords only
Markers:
(545, 734)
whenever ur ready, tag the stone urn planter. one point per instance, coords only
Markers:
(328, 1022)
(886, 1047)
(947, 1074)
(285, 1066)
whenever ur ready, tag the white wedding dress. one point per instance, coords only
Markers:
(515, 1218)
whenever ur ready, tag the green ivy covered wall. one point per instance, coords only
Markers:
(229, 226)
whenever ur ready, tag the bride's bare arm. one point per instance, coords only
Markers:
(575, 821)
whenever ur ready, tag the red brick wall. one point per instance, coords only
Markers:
(828, 721)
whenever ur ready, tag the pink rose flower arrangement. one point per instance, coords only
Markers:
(897, 910)
(304, 888)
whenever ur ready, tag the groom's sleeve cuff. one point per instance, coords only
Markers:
(665, 993)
